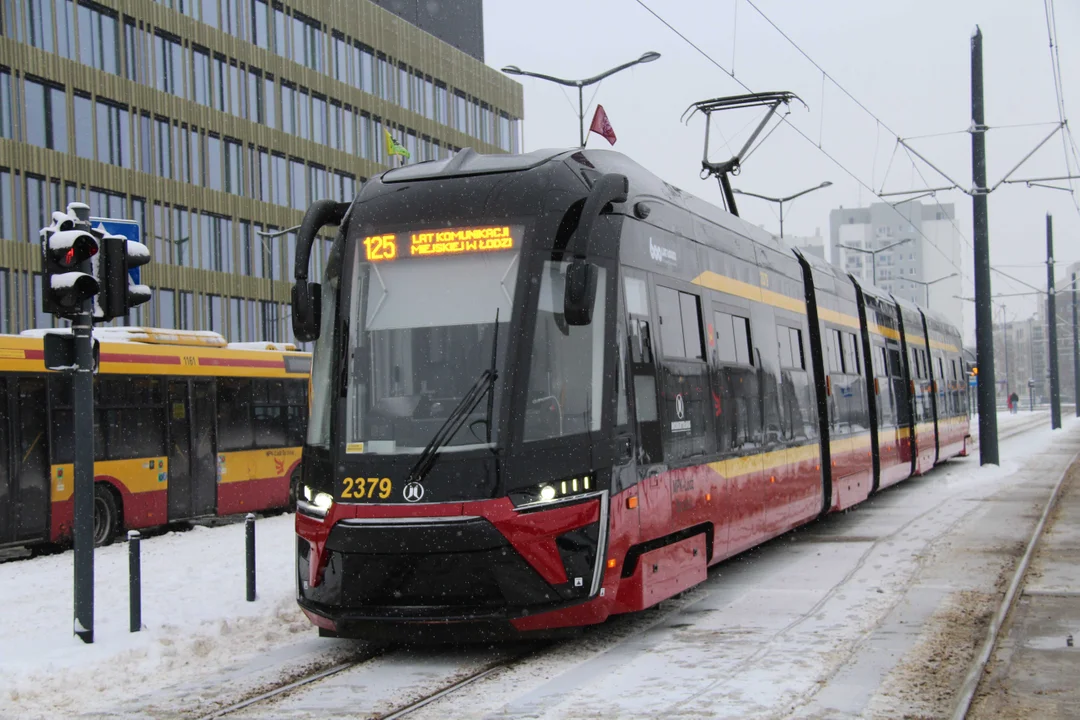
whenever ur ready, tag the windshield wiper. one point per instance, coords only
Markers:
(484, 384)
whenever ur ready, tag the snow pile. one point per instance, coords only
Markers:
(195, 618)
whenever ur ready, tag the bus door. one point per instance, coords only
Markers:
(24, 460)
(204, 464)
(180, 506)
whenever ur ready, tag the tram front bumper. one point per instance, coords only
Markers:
(373, 570)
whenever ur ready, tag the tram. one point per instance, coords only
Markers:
(186, 426)
(549, 388)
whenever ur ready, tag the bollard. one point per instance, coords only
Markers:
(134, 581)
(249, 531)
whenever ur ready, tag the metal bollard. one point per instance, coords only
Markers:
(249, 531)
(134, 581)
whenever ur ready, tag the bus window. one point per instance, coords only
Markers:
(235, 431)
(266, 403)
(130, 417)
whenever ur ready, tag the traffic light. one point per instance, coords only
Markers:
(65, 254)
(118, 293)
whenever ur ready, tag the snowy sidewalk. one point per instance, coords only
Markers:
(195, 618)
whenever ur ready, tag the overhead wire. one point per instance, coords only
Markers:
(784, 118)
(1055, 67)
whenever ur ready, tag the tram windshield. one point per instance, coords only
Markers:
(423, 330)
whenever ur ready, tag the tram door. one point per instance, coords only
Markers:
(24, 460)
(655, 499)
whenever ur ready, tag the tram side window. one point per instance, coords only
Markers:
(852, 366)
(680, 324)
(235, 428)
(733, 341)
(130, 415)
(566, 377)
(834, 351)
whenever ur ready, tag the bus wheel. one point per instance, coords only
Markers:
(106, 516)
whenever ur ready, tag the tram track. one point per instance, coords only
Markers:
(458, 683)
(977, 670)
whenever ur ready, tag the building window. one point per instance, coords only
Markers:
(99, 42)
(39, 23)
(214, 320)
(288, 108)
(307, 42)
(256, 104)
(36, 207)
(185, 311)
(200, 67)
(166, 308)
(260, 14)
(46, 116)
(163, 165)
(169, 54)
(113, 134)
(318, 119)
(7, 214)
(220, 91)
(213, 162)
(7, 107)
(297, 199)
(280, 179)
(236, 94)
(234, 167)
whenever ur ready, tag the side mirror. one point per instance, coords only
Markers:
(579, 293)
(306, 310)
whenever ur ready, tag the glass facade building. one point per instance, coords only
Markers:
(209, 121)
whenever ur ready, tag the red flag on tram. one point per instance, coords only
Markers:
(601, 125)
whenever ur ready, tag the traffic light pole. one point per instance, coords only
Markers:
(83, 396)
(1076, 349)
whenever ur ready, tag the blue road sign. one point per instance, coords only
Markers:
(125, 228)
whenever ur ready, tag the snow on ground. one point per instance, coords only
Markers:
(195, 618)
(199, 631)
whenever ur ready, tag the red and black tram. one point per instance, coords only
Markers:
(548, 388)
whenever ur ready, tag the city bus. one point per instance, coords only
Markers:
(186, 426)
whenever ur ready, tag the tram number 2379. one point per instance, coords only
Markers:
(365, 488)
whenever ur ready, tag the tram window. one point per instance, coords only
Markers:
(836, 352)
(894, 363)
(235, 431)
(680, 324)
(733, 339)
(798, 360)
(851, 355)
(783, 342)
(566, 374)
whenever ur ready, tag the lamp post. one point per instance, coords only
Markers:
(582, 84)
(928, 284)
(783, 200)
(874, 253)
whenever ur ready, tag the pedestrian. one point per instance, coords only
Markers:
(1014, 400)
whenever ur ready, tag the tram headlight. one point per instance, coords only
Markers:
(552, 492)
(314, 502)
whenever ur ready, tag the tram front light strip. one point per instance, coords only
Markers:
(557, 491)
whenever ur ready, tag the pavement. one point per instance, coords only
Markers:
(1035, 671)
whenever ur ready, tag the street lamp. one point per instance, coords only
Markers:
(928, 284)
(874, 253)
(783, 200)
(581, 84)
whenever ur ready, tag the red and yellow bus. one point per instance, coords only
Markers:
(186, 426)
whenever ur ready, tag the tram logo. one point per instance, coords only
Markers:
(413, 492)
(680, 425)
(662, 254)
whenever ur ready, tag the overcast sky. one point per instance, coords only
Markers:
(907, 62)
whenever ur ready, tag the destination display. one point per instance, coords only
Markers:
(443, 241)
